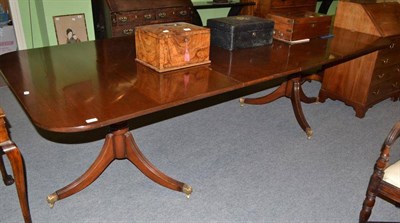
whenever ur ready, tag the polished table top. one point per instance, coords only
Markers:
(79, 87)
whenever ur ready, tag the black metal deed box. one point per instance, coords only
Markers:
(240, 31)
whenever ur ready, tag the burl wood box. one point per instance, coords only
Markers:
(171, 46)
(300, 25)
(244, 31)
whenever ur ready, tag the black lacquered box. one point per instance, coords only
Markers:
(240, 31)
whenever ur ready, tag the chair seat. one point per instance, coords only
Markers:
(392, 174)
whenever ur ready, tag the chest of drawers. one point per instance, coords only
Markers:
(122, 16)
(366, 80)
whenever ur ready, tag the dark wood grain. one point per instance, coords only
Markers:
(261, 64)
(62, 87)
(70, 84)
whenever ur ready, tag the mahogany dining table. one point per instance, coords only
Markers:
(76, 88)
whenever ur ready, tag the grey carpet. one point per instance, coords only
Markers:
(246, 164)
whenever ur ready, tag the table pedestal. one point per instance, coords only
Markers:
(291, 89)
(119, 144)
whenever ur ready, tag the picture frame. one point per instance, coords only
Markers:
(70, 28)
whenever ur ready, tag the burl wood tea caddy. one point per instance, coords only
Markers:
(171, 46)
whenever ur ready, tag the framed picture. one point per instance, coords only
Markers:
(70, 28)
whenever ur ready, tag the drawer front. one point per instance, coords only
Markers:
(129, 29)
(176, 14)
(393, 51)
(291, 3)
(389, 56)
(123, 30)
(148, 16)
(387, 60)
(385, 73)
(125, 18)
(384, 90)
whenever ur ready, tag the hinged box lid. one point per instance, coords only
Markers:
(241, 23)
(299, 17)
(130, 5)
(166, 30)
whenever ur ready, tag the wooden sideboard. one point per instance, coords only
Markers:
(263, 7)
(369, 79)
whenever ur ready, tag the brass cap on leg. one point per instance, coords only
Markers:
(309, 133)
(187, 189)
(241, 101)
(51, 199)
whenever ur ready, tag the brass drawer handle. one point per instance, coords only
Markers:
(398, 69)
(254, 34)
(123, 19)
(377, 92)
(380, 76)
(183, 12)
(162, 14)
(278, 33)
(392, 45)
(385, 61)
(147, 16)
(128, 31)
(395, 85)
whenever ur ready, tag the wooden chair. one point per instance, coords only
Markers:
(17, 164)
(385, 181)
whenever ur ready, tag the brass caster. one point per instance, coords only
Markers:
(317, 101)
(51, 199)
(241, 101)
(309, 133)
(187, 189)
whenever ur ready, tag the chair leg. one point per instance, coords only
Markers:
(369, 201)
(7, 179)
(17, 165)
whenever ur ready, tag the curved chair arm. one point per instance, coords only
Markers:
(393, 134)
(383, 159)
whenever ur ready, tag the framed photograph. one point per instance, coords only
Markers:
(70, 28)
